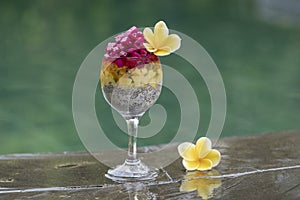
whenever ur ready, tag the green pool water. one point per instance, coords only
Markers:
(43, 44)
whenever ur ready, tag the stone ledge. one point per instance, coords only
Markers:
(264, 166)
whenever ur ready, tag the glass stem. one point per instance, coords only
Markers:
(132, 133)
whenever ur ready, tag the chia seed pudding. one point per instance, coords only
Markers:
(131, 100)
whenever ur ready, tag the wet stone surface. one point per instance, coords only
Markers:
(265, 166)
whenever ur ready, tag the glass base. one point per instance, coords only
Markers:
(132, 171)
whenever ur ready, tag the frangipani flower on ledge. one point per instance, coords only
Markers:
(160, 42)
(200, 156)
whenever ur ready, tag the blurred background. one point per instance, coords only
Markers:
(255, 44)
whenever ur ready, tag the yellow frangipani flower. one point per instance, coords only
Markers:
(200, 156)
(160, 42)
(201, 182)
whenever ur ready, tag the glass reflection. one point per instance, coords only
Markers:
(139, 191)
(201, 182)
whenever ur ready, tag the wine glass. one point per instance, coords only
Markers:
(131, 85)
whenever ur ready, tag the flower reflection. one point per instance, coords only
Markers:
(201, 182)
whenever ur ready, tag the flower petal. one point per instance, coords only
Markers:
(205, 191)
(173, 42)
(161, 32)
(203, 146)
(163, 51)
(149, 47)
(214, 156)
(191, 165)
(204, 164)
(187, 151)
(188, 186)
(149, 36)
